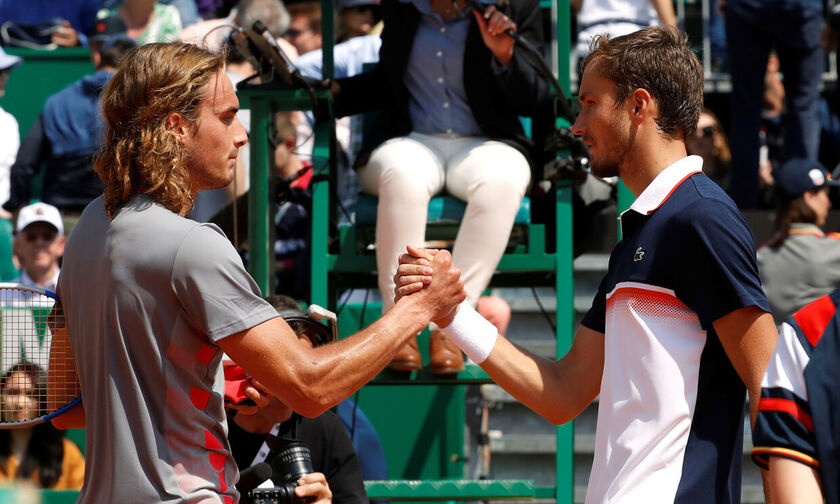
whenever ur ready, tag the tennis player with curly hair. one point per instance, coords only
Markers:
(153, 299)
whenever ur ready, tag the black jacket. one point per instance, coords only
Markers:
(329, 445)
(497, 97)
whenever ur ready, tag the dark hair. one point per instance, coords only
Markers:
(112, 56)
(659, 60)
(282, 302)
(45, 452)
(789, 211)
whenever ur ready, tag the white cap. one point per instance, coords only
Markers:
(39, 212)
(8, 60)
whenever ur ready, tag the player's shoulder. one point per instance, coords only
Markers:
(702, 201)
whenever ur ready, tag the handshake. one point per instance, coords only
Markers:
(430, 275)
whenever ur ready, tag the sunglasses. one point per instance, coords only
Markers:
(32, 236)
(293, 33)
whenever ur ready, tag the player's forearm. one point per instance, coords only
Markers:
(343, 367)
(311, 381)
(556, 390)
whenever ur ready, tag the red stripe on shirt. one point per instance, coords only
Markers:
(672, 191)
(786, 406)
(205, 354)
(814, 318)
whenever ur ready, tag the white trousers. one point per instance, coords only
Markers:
(406, 172)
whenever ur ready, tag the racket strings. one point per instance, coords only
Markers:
(28, 321)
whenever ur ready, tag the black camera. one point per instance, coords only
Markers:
(292, 462)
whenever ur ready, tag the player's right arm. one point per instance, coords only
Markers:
(558, 390)
(312, 380)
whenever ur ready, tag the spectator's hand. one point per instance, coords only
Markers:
(314, 485)
(493, 25)
(445, 291)
(413, 272)
(255, 393)
(65, 35)
(828, 39)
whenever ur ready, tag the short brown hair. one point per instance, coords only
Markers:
(140, 152)
(659, 60)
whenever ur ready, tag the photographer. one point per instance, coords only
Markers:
(251, 436)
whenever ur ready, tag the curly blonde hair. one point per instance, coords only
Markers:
(141, 152)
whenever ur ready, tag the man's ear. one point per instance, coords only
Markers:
(178, 124)
(642, 104)
(62, 241)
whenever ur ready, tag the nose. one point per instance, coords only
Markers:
(241, 137)
(578, 127)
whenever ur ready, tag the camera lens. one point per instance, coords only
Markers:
(292, 462)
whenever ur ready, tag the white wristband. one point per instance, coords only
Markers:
(472, 333)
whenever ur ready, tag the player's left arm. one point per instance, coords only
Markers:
(791, 482)
(748, 336)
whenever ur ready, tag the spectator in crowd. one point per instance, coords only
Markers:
(799, 263)
(65, 136)
(183, 298)
(213, 33)
(146, 21)
(618, 17)
(77, 17)
(356, 18)
(36, 455)
(792, 28)
(451, 87)
(304, 30)
(9, 130)
(796, 434)
(709, 142)
(39, 245)
(253, 437)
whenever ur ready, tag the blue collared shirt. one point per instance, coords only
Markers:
(435, 75)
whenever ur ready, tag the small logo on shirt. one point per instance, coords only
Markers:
(638, 255)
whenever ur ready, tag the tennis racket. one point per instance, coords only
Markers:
(37, 374)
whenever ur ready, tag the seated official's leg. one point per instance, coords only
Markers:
(492, 178)
(404, 173)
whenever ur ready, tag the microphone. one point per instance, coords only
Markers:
(482, 5)
(253, 477)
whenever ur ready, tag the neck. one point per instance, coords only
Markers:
(42, 276)
(20, 440)
(648, 160)
(253, 424)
